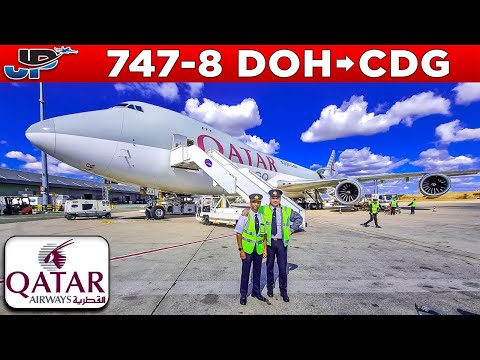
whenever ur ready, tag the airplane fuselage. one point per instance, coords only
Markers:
(132, 146)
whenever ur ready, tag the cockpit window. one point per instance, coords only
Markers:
(130, 106)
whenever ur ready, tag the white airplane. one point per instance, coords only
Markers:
(132, 142)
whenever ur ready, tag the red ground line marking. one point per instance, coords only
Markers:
(165, 248)
(158, 249)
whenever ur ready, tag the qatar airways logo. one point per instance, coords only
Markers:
(243, 156)
(52, 257)
(56, 272)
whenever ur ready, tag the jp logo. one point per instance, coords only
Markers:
(36, 60)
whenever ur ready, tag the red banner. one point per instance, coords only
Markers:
(240, 63)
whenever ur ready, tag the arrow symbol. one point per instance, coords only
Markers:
(345, 63)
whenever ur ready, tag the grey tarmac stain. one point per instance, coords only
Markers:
(210, 299)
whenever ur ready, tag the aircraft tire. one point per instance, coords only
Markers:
(158, 212)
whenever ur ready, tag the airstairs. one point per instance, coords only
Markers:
(226, 174)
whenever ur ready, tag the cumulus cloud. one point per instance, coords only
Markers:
(55, 167)
(453, 131)
(352, 118)
(467, 93)
(258, 144)
(440, 160)
(3, 165)
(465, 183)
(20, 156)
(233, 120)
(3, 142)
(195, 89)
(354, 162)
(168, 91)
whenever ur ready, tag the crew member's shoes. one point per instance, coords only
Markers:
(243, 300)
(270, 293)
(260, 297)
(378, 226)
(285, 298)
(366, 225)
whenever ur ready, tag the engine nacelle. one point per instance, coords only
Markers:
(349, 192)
(434, 185)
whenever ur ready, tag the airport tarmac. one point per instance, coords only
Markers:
(178, 266)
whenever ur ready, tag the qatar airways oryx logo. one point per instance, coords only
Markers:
(56, 272)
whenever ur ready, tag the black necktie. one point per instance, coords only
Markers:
(257, 224)
(274, 222)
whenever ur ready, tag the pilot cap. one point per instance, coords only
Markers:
(275, 193)
(255, 197)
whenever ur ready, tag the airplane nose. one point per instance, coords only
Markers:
(42, 135)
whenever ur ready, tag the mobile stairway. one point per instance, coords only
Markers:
(226, 174)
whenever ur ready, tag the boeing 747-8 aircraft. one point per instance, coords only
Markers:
(133, 141)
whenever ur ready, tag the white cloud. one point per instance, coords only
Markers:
(363, 162)
(352, 119)
(233, 120)
(453, 131)
(3, 142)
(168, 91)
(433, 160)
(315, 166)
(3, 165)
(257, 143)
(20, 156)
(467, 93)
(420, 105)
(55, 167)
(465, 183)
(195, 89)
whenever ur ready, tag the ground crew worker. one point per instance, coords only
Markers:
(374, 208)
(393, 206)
(278, 218)
(413, 205)
(251, 241)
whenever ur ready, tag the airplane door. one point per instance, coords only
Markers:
(179, 140)
(127, 154)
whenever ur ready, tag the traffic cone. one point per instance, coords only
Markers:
(434, 209)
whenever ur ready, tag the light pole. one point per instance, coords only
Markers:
(45, 187)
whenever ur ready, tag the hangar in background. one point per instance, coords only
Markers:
(15, 182)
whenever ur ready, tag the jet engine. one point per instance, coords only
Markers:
(349, 192)
(434, 185)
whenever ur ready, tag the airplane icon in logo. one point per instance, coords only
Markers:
(65, 50)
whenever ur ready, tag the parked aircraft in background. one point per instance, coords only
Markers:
(132, 143)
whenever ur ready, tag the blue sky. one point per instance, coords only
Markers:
(373, 127)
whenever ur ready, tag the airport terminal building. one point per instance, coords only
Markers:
(15, 182)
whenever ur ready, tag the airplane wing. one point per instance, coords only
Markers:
(306, 185)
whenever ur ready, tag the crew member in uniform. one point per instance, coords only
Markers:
(393, 206)
(252, 245)
(281, 222)
(374, 209)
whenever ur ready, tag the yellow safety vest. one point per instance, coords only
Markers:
(375, 206)
(250, 238)
(286, 212)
